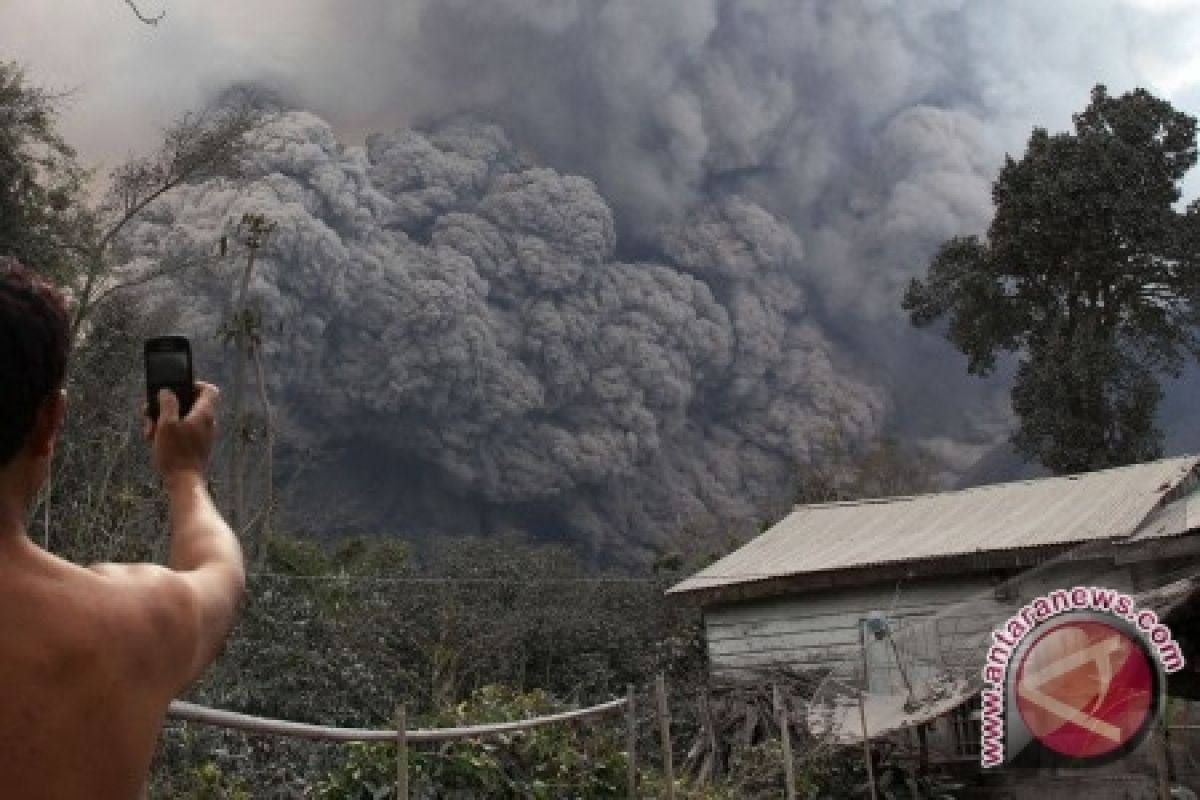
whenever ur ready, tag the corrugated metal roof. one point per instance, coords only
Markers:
(1177, 517)
(1093, 506)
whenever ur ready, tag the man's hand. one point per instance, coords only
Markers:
(183, 446)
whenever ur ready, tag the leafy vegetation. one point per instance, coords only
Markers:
(338, 633)
(584, 760)
(41, 183)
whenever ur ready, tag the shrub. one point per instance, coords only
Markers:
(584, 760)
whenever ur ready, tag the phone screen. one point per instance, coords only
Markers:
(167, 367)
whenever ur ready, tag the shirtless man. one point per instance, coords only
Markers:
(91, 657)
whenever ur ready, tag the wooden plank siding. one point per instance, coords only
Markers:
(934, 619)
(811, 631)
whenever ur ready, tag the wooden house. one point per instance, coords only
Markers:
(899, 595)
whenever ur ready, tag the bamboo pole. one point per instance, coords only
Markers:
(631, 740)
(664, 731)
(789, 769)
(401, 753)
(190, 712)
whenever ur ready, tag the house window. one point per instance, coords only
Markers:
(968, 730)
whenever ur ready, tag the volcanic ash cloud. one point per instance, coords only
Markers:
(455, 318)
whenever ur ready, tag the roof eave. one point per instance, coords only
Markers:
(979, 561)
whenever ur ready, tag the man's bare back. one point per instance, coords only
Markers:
(91, 657)
(81, 699)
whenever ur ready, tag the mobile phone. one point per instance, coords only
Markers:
(169, 366)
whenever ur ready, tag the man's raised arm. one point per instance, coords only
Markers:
(188, 609)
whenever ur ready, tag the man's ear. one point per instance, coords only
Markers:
(48, 423)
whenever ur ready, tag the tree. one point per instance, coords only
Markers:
(41, 184)
(843, 467)
(45, 218)
(48, 221)
(244, 329)
(1088, 273)
(200, 145)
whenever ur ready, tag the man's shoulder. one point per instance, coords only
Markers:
(141, 594)
(74, 620)
(148, 614)
(126, 578)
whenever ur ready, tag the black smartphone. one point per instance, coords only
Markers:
(169, 366)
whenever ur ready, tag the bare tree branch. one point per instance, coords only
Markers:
(200, 145)
(170, 268)
(137, 12)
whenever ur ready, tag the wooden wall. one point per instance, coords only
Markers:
(935, 619)
(821, 629)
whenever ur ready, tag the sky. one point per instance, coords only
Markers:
(130, 79)
(710, 210)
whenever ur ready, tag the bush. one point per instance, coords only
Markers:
(209, 783)
(338, 632)
(584, 760)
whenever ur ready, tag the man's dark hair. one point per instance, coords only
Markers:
(35, 340)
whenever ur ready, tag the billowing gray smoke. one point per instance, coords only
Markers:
(627, 305)
(872, 129)
(457, 318)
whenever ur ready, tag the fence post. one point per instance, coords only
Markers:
(862, 716)
(401, 753)
(789, 769)
(664, 731)
(1158, 735)
(631, 739)
(709, 767)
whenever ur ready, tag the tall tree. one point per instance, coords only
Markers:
(1090, 274)
(41, 183)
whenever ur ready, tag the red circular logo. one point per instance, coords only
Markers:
(1085, 688)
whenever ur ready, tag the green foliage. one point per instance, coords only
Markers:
(337, 633)
(1089, 273)
(368, 773)
(209, 783)
(41, 184)
(583, 760)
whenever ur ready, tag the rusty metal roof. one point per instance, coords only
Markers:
(1095, 506)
